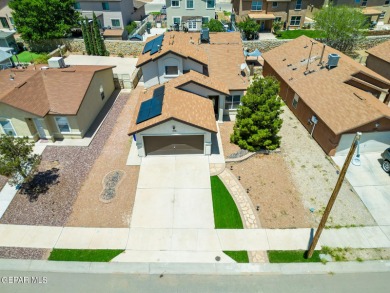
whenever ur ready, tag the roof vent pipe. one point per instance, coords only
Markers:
(322, 54)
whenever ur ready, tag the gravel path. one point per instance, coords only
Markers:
(315, 177)
(3, 181)
(23, 253)
(74, 163)
(226, 129)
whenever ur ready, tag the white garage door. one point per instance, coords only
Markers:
(369, 143)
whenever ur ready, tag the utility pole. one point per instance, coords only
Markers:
(334, 195)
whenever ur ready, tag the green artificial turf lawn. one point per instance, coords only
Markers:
(239, 256)
(26, 56)
(226, 215)
(95, 255)
(288, 256)
(293, 34)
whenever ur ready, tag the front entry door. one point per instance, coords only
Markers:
(39, 126)
(215, 99)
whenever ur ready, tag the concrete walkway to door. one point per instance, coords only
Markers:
(173, 192)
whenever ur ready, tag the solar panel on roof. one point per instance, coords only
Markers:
(148, 47)
(159, 92)
(154, 45)
(152, 107)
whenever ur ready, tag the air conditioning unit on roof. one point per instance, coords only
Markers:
(56, 62)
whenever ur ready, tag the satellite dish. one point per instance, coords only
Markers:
(243, 66)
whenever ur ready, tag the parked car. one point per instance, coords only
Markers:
(386, 160)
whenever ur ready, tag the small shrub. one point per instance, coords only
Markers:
(131, 27)
(120, 55)
(42, 59)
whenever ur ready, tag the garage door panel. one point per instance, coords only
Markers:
(174, 145)
(370, 142)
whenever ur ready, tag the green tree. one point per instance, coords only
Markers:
(257, 121)
(343, 26)
(250, 27)
(17, 160)
(38, 20)
(214, 25)
(86, 35)
(100, 48)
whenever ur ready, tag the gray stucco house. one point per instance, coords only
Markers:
(115, 14)
(189, 14)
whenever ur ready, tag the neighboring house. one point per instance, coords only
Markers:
(188, 85)
(378, 59)
(6, 20)
(6, 58)
(290, 12)
(55, 103)
(115, 14)
(375, 10)
(7, 40)
(333, 96)
(189, 14)
(220, 59)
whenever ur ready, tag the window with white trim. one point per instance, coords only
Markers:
(115, 22)
(364, 3)
(295, 20)
(171, 70)
(257, 5)
(295, 101)
(175, 3)
(7, 127)
(210, 4)
(274, 4)
(298, 5)
(232, 102)
(189, 4)
(63, 125)
(191, 25)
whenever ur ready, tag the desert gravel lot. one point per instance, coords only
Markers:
(23, 253)
(74, 163)
(315, 177)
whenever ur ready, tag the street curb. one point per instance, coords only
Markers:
(194, 269)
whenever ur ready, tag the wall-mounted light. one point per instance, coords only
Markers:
(173, 128)
(377, 125)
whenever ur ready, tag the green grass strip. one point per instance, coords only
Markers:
(288, 256)
(239, 256)
(293, 34)
(26, 56)
(92, 255)
(226, 215)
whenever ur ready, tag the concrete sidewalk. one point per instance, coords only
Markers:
(187, 240)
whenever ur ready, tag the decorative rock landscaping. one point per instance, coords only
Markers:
(110, 184)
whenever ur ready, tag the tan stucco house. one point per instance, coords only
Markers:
(378, 60)
(53, 103)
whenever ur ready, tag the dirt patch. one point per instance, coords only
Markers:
(3, 181)
(358, 254)
(226, 129)
(89, 210)
(271, 189)
(23, 253)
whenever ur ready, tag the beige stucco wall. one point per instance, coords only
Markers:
(378, 65)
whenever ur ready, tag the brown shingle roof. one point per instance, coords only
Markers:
(53, 91)
(179, 105)
(381, 51)
(223, 55)
(341, 106)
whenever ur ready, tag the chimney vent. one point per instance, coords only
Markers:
(333, 60)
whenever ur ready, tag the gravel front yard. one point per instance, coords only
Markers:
(89, 210)
(74, 163)
(225, 129)
(315, 177)
(23, 253)
(3, 181)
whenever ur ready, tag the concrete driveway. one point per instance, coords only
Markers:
(173, 192)
(372, 185)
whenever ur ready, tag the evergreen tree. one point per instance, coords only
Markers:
(100, 48)
(85, 30)
(257, 121)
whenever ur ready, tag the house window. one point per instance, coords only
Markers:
(232, 102)
(295, 101)
(298, 5)
(190, 4)
(205, 20)
(357, 1)
(171, 70)
(257, 5)
(382, 15)
(115, 23)
(102, 92)
(210, 4)
(176, 20)
(76, 5)
(4, 22)
(295, 20)
(11, 19)
(175, 3)
(274, 4)
(364, 3)
(192, 25)
(278, 19)
(387, 2)
(63, 125)
(7, 127)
